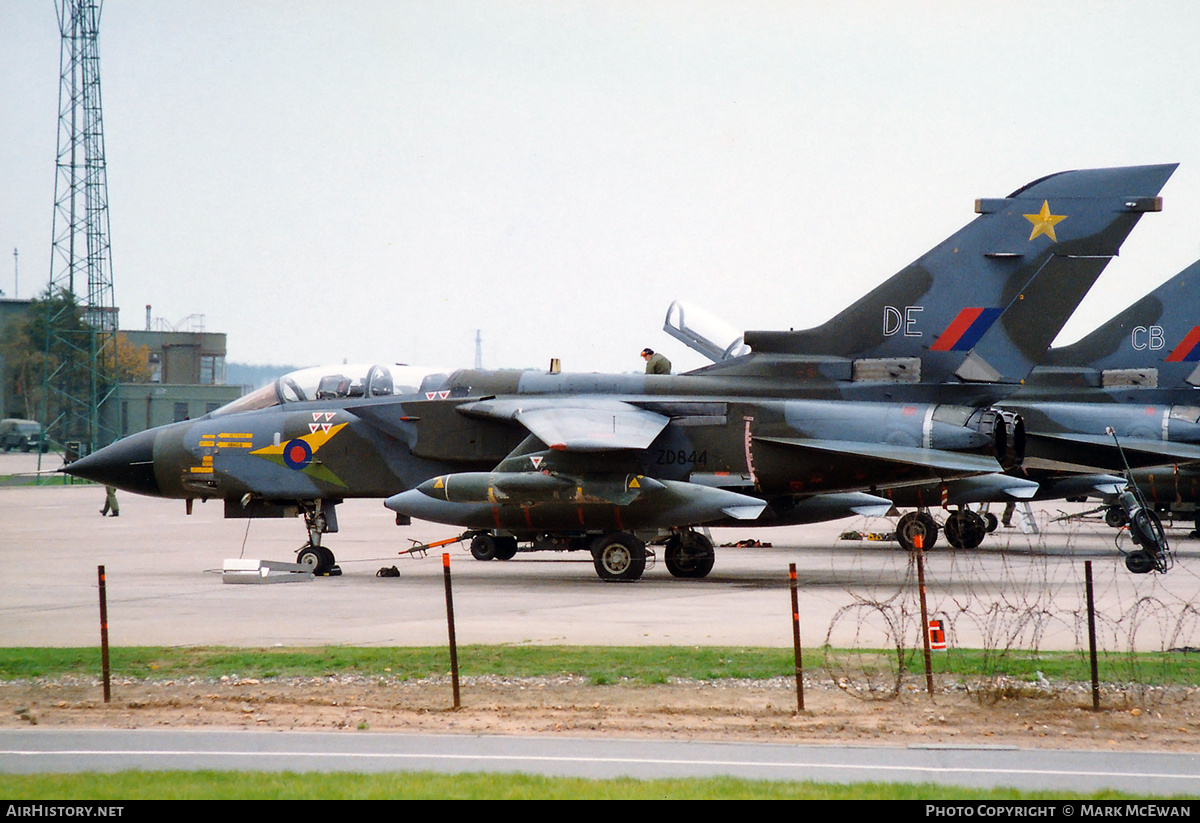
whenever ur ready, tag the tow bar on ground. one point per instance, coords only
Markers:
(423, 548)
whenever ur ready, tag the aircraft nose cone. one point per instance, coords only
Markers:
(127, 464)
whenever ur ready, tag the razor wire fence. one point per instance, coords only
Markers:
(1015, 619)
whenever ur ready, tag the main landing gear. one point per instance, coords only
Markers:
(319, 520)
(964, 529)
(689, 554)
(619, 557)
(913, 524)
(493, 547)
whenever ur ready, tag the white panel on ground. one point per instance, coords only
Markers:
(236, 570)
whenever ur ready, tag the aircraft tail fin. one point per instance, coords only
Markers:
(985, 304)
(1154, 343)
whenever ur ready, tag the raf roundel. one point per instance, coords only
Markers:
(297, 454)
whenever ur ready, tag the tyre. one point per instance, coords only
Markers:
(506, 548)
(909, 526)
(689, 555)
(1115, 517)
(320, 559)
(965, 530)
(483, 547)
(619, 557)
(931, 529)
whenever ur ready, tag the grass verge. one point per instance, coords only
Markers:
(600, 665)
(212, 785)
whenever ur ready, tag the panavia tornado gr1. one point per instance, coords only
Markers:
(1125, 399)
(896, 389)
(1117, 411)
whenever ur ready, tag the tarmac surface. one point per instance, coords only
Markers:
(1146, 774)
(164, 586)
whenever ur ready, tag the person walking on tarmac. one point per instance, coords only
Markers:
(655, 362)
(110, 502)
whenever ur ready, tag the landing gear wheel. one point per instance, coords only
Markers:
(931, 529)
(320, 558)
(990, 522)
(331, 566)
(1115, 517)
(619, 557)
(483, 547)
(506, 548)
(965, 530)
(689, 555)
(909, 526)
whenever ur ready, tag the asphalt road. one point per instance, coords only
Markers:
(1144, 774)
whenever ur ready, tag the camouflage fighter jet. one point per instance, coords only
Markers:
(1127, 395)
(1123, 376)
(597, 462)
(911, 350)
(1138, 376)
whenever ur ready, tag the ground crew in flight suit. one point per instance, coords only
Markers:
(655, 362)
(110, 502)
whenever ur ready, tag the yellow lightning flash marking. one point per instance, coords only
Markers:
(1043, 222)
(315, 440)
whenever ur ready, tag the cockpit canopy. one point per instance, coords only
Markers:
(702, 331)
(343, 381)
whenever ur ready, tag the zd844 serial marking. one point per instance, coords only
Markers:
(682, 457)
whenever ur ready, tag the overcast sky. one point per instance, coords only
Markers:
(374, 181)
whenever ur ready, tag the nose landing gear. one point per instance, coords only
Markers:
(320, 519)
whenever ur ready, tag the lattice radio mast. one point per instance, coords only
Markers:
(81, 337)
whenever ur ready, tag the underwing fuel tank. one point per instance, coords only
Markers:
(541, 501)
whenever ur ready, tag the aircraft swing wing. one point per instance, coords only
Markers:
(953, 464)
(1094, 452)
(577, 424)
(576, 469)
